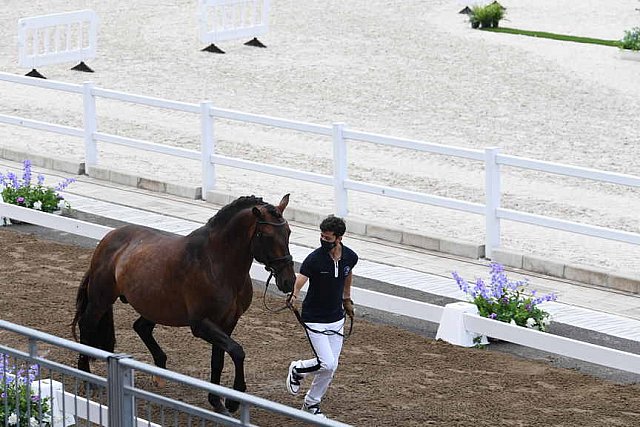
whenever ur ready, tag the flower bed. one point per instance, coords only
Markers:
(505, 300)
(22, 191)
(20, 405)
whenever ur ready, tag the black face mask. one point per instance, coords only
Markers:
(327, 246)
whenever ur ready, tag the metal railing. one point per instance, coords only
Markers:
(116, 401)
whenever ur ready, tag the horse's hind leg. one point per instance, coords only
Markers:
(144, 329)
(96, 330)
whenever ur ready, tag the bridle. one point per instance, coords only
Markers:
(273, 265)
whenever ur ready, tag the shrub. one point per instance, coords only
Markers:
(504, 299)
(631, 39)
(23, 192)
(486, 16)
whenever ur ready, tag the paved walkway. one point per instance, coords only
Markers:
(578, 305)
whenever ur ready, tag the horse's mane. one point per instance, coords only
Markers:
(224, 215)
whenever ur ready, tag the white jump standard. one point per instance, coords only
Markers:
(221, 20)
(57, 38)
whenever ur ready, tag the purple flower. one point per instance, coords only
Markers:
(26, 176)
(493, 316)
(462, 284)
(34, 372)
(40, 179)
(20, 200)
(481, 289)
(13, 178)
(65, 183)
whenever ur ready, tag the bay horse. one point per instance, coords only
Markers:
(200, 280)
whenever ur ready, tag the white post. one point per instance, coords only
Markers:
(90, 125)
(207, 148)
(339, 170)
(3, 220)
(492, 200)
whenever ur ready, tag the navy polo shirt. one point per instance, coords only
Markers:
(323, 302)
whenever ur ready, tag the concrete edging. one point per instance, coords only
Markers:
(573, 272)
(186, 191)
(67, 166)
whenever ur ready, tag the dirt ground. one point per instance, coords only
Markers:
(387, 376)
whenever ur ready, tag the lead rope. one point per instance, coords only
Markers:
(305, 326)
(289, 305)
(264, 298)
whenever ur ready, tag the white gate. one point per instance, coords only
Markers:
(57, 38)
(232, 19)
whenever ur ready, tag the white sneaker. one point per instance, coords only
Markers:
(293, 379)
(313, 409)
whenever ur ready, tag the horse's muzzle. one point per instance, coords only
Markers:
(282, 269)
(285, 282)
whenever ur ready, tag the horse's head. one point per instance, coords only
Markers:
(270, 243)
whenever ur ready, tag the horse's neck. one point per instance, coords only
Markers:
(233, 241)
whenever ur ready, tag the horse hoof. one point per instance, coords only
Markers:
(158, 381)
(218, 407)
(222, 410)
(232, 405)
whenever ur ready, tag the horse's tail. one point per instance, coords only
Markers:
(82, 299)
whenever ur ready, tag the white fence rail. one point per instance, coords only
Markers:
(68, 225)
(555, 344)
(57, 38)
(340, 181)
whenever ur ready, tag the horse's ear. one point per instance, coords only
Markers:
(257, 212)
(283, 203)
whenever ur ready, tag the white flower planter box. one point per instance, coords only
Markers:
(630, 55)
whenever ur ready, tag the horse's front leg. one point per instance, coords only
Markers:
(213, 334)
(217, 363)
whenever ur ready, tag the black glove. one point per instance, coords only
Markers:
(347, 303)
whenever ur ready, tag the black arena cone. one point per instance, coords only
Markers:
(82, 67)
(255, 42)
(35, 73)
(213, 49)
